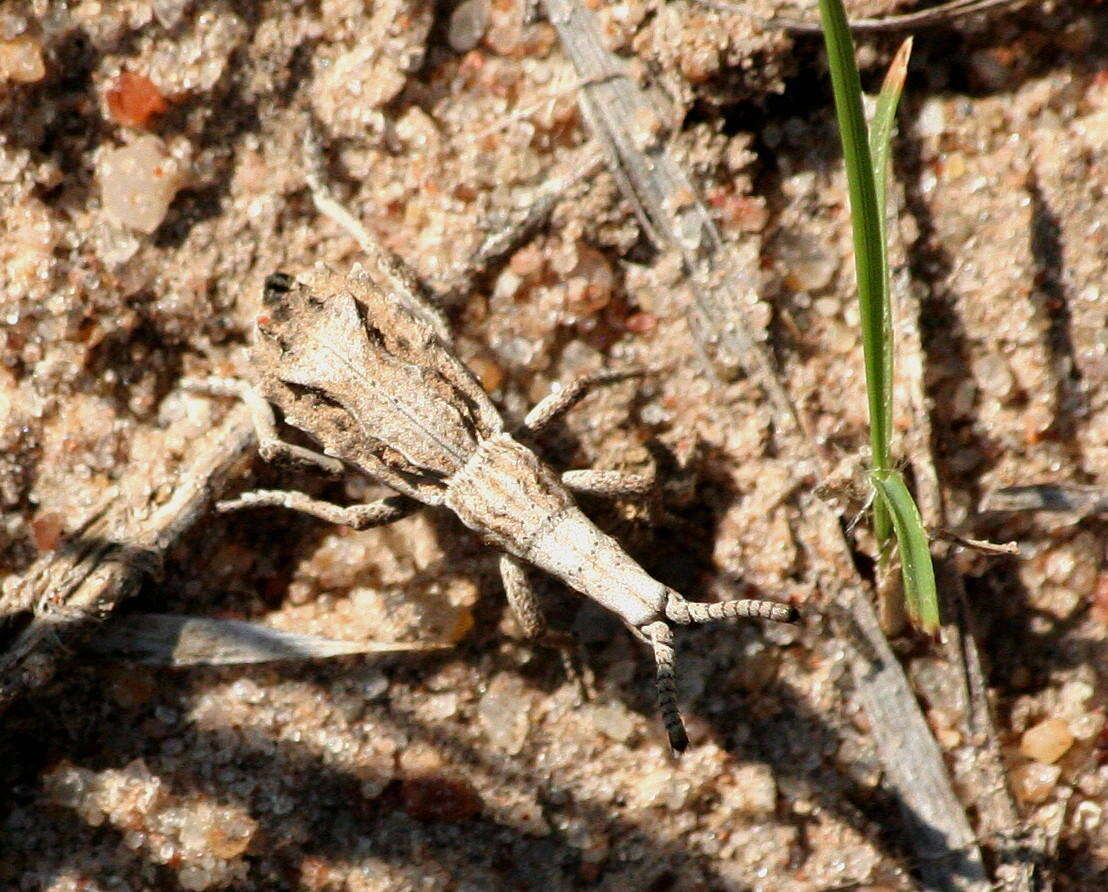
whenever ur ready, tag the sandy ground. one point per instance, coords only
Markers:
(151, 177)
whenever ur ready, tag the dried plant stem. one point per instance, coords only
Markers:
(934, 16)
(998, 817)
(67, 592)
(628, 129)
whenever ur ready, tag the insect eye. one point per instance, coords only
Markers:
(277, 285)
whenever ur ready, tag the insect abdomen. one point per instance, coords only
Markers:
(505, 493)
(517, 503)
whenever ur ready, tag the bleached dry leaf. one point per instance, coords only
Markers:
(174, 640)
(1084, 501)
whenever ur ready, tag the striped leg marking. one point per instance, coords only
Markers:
(660, 637)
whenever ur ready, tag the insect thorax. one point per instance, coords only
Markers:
(371, 382)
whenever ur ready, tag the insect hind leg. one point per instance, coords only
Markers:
(525, 607)
(521, 597)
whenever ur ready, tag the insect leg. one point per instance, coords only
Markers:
(561, 400)
(608, 483)
(525, 606)
(660, 637)
(358, 517)
(270, 446)
(404, 284)
(521, 596)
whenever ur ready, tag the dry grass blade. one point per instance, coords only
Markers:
(998, 817)
(628, 128)
(922, 18)
(172, 640)
(1084, 501)
(931, 17)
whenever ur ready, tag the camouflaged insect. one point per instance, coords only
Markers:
(366, 372)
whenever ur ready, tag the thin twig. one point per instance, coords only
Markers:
(931, 17)
(69, 591)
(998, 816)
(614, 108)
(982, 546)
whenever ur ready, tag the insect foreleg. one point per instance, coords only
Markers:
(558, 402)
(270, 446)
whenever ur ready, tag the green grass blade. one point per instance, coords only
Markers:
(880, 144)
(866, 220)
(866, 155)
(920, 592)
(881, 129)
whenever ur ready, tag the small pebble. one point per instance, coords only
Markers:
(807, 264)
(1088, 816)
(133, 99)
(468, 24)
(504, 712)
(169, 12)
(46, 530)
(613, 721)
(21, 60)
(589, 281)
(752, 790)
(665, 789)
(1087, 725)
(138, 182)
(432, 795)
(1034, 782)
(993, 376)
(439, 707)
(931, 120)
(488, 372)
(1047, 741)
(1099, 610)
(505, 33)
(527, 262)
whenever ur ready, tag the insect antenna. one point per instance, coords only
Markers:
(679, 610)
(660, 637)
